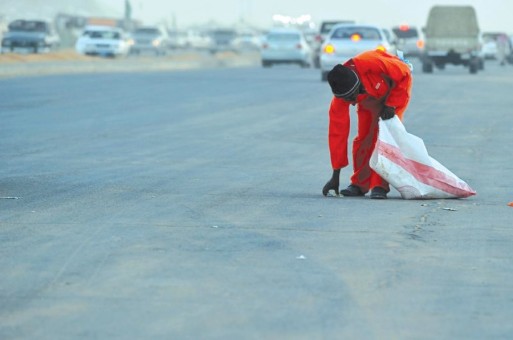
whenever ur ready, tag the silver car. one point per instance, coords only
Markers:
(286, 45)
(348, 40)
(150, 39)
(409, 40)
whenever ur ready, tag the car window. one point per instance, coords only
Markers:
(405, 33)
(276, 37)
(105, 35)
(28, 26)
(326, 27)
(364, 33)
(152, 31)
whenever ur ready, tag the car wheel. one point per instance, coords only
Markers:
(481, 64)
(473, 66)
(324, 76)
(266, 63)
(427, 67)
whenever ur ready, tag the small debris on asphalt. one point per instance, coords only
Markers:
(449, 209)
(301, 257)
(10, 198)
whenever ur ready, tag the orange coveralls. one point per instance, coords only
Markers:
(387, 81)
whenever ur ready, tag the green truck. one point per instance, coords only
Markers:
(452, 36)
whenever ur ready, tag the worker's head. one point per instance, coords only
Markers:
(344, 83)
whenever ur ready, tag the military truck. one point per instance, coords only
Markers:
(452, 36)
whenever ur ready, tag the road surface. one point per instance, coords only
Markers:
(187, 205)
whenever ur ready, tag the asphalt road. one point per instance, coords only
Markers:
(187, 205)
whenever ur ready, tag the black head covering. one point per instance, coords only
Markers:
(343, 81)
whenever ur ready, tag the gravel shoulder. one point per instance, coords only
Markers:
(69, 62)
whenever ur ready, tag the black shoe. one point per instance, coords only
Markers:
(378, 193)
(352, 191)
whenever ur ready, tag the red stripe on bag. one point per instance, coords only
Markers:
(424, 173)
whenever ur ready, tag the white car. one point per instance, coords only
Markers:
(409, 40)
(286, 45)
(103, 41)
(348, 40)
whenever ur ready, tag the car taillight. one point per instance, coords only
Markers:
(264, 46)
(299, 46)
(381, 48)
(420, 43)
(329, 49)
(318, 38)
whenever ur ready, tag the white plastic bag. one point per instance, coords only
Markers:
(403, 161)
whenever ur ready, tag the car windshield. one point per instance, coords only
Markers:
(147, 31)
(27, 26)
(364, 33)
(276, 37)
(103, 35)
(327, 26)
(221, 34)
(406, 33)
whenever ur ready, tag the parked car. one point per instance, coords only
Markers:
(103, 41)
(248, 41)
(286, 45)
(150, 39)
(178, 39)
(452, 36)
(409, 40)
(324, 30)
(222, 40)
(198, 40)
(30, 35)
(347, 40)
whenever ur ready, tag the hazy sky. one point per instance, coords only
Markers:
(492, 14)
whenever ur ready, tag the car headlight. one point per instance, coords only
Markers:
(156, 42)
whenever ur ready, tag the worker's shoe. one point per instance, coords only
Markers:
(378, 193)
(352, 191)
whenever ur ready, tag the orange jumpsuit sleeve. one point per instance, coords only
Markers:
(338, 134)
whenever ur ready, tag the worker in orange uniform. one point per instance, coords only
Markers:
(380, 84)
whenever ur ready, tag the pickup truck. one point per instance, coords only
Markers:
(452, 36)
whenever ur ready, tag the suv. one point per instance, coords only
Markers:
(452, 37)
(325, 28)
(408, 40)
(150, 39)
(32, 35)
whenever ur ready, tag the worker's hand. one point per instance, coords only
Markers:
(332, 184)
(387, 112)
